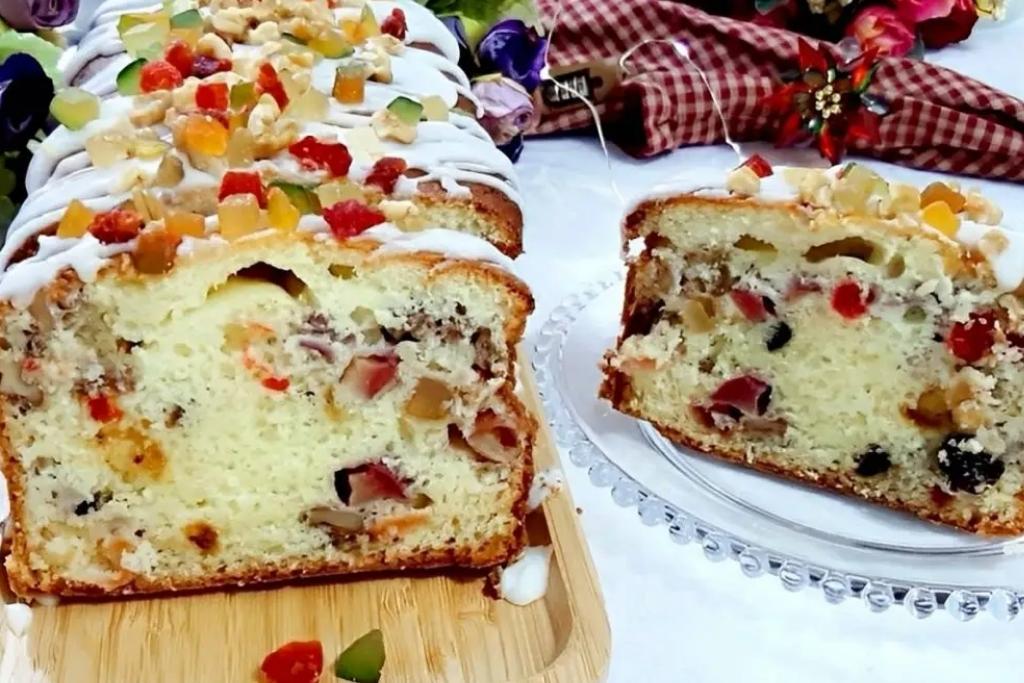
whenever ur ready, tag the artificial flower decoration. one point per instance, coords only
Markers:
(515, 50)
(25, 94)
(940, 22)
(828, 102)
(32, 15)
(881, 28)
(507, 112)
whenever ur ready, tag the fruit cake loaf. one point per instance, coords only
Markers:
(378, 124)
(288, 404)
(835, 328)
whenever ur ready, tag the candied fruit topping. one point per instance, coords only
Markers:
(972, 340)
(434, 108)
(206, 65)
(349, 83)
(269, 82)
(941, 192)
(746, 393)
(281, 213)
(754, 307)
(104, 408)
(204, 134)
(238, 216)
(156, 251)
(966, 466)
(179, 55)
(116, 226)
(941, 217)
(159, 75)
(212, 96)
(185, 224)
(850, 299)
(367, 483)
(385, 173)
(759, 165)
(313, 153)
(242, 95)
(855, 189)
(74, 107)
(331, 44)
(394, 24)
(295, 662)
(76, 220)
(243, 182)
(351, 217)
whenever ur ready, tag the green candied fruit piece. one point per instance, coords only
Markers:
(408, 111)
(302, 197)
(242, 95)
(132, 19)
(128, 78)
(363, 660)
(74, 107)
(190, 18)
(146, 40)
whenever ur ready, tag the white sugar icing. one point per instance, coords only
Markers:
(526, 579)
(16, 665)
(545, 483)
(458, 245)
(1007, 265)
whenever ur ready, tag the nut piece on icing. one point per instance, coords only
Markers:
(387, 125)
(743, 181)
(981, 210)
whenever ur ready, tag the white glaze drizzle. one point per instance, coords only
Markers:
(545, 483)
(526, 579)
(1007, 265)
(16, 665)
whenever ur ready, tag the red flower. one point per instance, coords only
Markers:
(916, 11)
(881, 28)
(950, 28)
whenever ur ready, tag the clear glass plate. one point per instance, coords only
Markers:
(807, 538)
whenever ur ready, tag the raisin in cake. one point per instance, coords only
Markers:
(835, 328)
(225, 369)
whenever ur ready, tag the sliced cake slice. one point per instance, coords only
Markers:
(835, 328)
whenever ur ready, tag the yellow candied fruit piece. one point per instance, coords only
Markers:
(336, 191)
(75, 221)
(332, 44)
(185, 224)
(241, 149)
(106, 149)
(349, 84)
(311, 105)
(941, 217)
(147, 148)
(941, 192)
(281, 213)
(189, 35)
(205, 135)
(238, 216)
(429, 400)
(434, 108)
(368, 26)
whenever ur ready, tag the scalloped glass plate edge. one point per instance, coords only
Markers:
(878, 593)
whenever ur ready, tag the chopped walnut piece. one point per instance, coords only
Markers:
(743, 181)
(981, 210)
(150, 109)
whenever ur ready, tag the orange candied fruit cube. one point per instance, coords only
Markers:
(205, 135)
(281, 213)
(185, 224)
(155, 251)
(75, 221)
(941, 217)
(349, 84)
(941, 192)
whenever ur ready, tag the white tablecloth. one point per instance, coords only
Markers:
(674, 615)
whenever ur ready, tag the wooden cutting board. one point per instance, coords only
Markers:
(437, 627)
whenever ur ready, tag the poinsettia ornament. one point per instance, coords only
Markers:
(829, 102)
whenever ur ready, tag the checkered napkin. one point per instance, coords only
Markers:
(939, 120)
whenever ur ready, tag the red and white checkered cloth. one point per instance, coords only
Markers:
(938, 120)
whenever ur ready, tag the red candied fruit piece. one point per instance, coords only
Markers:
(269, 83)
(746, 393)
(970, 341)
(374, 481)
(759, 165)
(294, 662)
(370, 374)
(385, 173)
(276, 383)
(242, 182)
(212, 96)
(116, 226)
(851, 300)
(179, 55)
(103, 408)
(206, 65)
(753, 306)
(159, 75)
(315, 153)
(394, 24)
(351, 217)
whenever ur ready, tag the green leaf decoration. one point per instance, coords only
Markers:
(43, 51)
(362, 661)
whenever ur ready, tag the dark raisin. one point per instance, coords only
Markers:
(99, 499)
(763, 400)
(460, 309)
(874, 460)
(643, 317)
(341, 485)
(779, 335)
(966, 469)
(769, 305)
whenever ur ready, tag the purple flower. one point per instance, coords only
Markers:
(507, 111)
(515, 50)
(467, 61)
(25, 94)
(30, 15)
